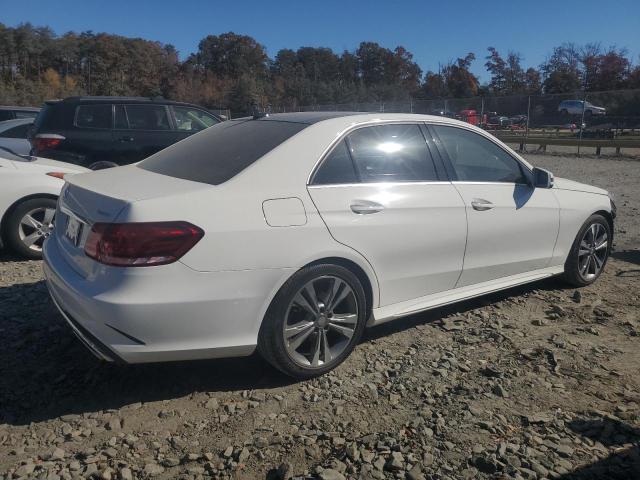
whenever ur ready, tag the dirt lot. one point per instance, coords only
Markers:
(536, 382)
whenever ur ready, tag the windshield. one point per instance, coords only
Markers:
(219, 153)
(9, 154)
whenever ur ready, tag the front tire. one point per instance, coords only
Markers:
(314, 322)
(28, 226)
(589, 252)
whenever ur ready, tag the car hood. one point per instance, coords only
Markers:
(565, 184)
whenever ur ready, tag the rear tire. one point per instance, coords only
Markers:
(314, 322)
(589, 252)
(28, 225)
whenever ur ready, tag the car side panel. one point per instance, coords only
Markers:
(575, 208)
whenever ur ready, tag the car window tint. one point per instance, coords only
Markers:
(147, 117)
(94, 116)
(336, 168)
(121, 118)
(192, 120)
(17, 132)
(477, 159)
(6, 115)
(220, 152)
(391, 153)
(26, 114)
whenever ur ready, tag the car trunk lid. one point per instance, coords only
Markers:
(101, 197)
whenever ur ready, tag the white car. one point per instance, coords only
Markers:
(291, 233)
(29, 189)
(13, 135)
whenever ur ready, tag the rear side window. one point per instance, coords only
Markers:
(336, 168)
(221, 152)
(16, 132)
(6, 115)
(94, 116)
(391, 153)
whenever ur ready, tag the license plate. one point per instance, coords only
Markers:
(73, 232)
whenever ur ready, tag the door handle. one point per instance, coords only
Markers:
(365, 207)
(126, 139)
(481, 204)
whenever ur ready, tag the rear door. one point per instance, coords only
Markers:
(512, 226)
(140, 130)
(380, 193)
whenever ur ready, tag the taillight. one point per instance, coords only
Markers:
(46, 141)
(141, 244)
(59, 175)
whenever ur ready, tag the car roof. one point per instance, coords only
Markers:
(22, 109)
(346, 119)
(118, 99)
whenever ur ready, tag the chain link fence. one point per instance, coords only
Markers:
(580, 122)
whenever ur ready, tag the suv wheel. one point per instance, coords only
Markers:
(314, 321)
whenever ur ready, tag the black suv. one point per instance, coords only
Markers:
(103, 132)
(11, 113)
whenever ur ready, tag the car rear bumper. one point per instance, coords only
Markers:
(164, 313)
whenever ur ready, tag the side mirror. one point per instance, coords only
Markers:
(542, 178)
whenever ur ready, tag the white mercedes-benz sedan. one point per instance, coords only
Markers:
(291, 233)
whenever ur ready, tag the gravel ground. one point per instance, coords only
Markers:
(537, 382)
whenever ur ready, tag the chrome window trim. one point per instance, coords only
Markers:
(468, 182)
(382, 184)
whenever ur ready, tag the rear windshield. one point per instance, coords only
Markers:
(219, 153)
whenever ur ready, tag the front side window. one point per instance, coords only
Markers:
(94, 116)
(147, 117)
(477, 159)
(192, 120)
(391, 153)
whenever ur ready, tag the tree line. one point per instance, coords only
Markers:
(233, 71)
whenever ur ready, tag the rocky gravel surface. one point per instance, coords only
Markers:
(536, 382)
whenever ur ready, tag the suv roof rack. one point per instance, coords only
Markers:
(112, 98)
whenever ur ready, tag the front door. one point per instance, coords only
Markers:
(512, 226)
(379, 192)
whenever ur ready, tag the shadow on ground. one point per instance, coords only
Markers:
(624, 464)
(49, 373)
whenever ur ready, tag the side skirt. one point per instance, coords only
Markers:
(409, 307)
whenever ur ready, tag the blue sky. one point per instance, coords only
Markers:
(435, 31)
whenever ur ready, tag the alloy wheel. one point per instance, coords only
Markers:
(35, 226)
(593, 251)
(320, 322)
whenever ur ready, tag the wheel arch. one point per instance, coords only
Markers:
(357, 270)
(608, 217)
(13, 206)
